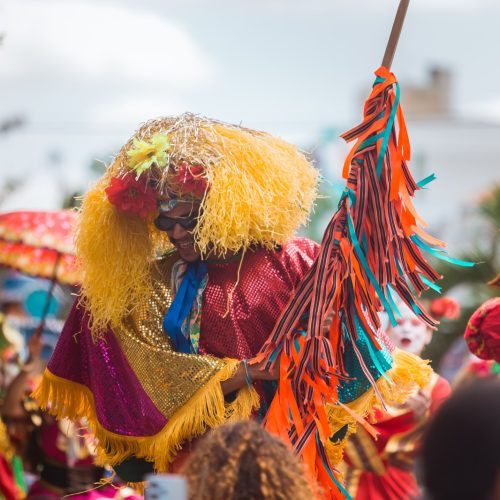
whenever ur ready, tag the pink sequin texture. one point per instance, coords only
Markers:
(237, 320)
(120, 400)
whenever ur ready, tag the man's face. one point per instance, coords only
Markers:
(411, 333)
(179, 223)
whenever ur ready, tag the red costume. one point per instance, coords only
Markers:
(381, 468)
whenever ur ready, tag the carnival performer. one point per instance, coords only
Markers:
(189, 258)
(381, 466)
(12, 484)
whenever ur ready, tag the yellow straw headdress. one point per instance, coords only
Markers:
(260, 189)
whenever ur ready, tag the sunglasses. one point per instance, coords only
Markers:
(165, 223)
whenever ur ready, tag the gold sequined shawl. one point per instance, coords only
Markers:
(156, 398)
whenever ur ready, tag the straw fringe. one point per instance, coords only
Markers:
(261, 190)
(206, 409)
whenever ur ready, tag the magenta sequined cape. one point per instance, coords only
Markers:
(123, 397)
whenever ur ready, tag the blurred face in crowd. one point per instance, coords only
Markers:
(179, 224)
(411, 333)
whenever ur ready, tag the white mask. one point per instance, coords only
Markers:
(411, 333)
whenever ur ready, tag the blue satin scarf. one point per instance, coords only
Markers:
(182, 304)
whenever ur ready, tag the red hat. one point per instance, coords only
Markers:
(483, 330)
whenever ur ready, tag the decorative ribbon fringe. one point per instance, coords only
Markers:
(371, 253)
(206, 409)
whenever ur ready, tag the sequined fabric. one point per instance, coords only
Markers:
(136, 378)
(120, 401)
(168, 377)
(236, 320)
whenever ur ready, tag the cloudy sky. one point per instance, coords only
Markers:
(83, 74)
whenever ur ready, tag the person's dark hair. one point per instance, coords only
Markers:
(242, 461)
(460, 454)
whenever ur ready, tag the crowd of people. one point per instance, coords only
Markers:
(417, 452)
(209, 341)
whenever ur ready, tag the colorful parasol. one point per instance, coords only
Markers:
(40, 244)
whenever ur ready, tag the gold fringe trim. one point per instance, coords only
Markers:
(408, 373)
(139, 488)
(206, 409)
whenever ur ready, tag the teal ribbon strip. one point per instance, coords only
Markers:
(359, 252)
(364, 244)
(440, 254)
(395, 308)
(296, 343)
(430, 284)
(330, 473)
(414, 306)
(416, 309)
(371, 140)
(421, 184)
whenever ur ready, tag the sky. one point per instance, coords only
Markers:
(83, 74)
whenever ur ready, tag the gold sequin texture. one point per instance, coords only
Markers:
(169, 378)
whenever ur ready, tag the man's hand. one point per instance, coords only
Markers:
(419, 404)
(256, 372)
(259, 372)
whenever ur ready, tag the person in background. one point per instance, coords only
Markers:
(59, 454)
(483, 331)
(242, 461)
(482, 336)
(12, 313)
(379, 460)
(460, 458)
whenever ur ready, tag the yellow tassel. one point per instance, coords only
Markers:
(206, 409)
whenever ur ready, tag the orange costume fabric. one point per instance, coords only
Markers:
(381, 468)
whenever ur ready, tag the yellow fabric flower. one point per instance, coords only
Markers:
(144, 154)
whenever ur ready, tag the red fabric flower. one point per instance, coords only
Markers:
(131, 195)
(192, 180)
(444, 307)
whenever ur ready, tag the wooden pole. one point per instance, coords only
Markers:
(395, 32)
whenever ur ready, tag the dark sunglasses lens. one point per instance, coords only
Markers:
(189, 223)
(168, 223)
(164, 223)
